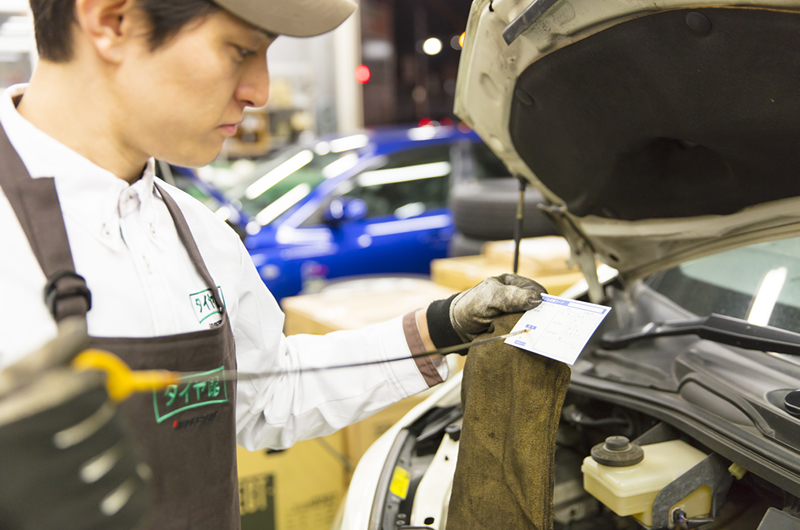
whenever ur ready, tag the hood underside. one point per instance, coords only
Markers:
(658, 133)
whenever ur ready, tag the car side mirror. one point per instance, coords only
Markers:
(344, 209)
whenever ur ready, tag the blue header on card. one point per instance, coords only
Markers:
(575, 304)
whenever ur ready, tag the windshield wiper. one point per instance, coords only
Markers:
(719, 328)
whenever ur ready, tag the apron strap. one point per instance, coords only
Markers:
(189, 243)
(35, 202)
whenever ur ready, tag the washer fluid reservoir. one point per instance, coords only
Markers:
(631, 489)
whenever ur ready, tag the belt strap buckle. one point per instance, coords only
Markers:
(53, 294)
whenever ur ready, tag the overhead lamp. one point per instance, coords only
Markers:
(294, 164)
(357, 141)
(423, 133)
(334, 169)
(409, 225)
(322, 148)
(278, 207)
(432, 46)
(767, 296)
(404, 174)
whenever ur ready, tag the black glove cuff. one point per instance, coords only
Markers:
(440, 327)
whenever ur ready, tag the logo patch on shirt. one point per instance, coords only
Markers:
(206, 308)
(197, 390)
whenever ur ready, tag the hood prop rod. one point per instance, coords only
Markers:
(519, 221)
(526, 19)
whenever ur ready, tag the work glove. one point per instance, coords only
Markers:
(65, 460)
(464, 316)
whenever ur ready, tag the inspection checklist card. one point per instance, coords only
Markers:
(558, 328)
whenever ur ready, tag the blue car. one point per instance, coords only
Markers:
(368, 203)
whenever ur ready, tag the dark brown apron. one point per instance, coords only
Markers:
(186, 433)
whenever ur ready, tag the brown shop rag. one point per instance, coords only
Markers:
(512, 402)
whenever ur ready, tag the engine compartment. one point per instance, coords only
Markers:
(740, 500)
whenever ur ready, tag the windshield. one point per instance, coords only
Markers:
(276, 185)
(758, 283)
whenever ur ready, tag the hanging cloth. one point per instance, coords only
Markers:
(512, 404)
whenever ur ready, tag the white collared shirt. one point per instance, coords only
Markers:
(124, 243)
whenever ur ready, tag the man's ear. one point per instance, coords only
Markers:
(108, 25)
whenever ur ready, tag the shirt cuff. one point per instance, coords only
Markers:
(426, 365)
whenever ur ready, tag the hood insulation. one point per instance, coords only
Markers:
(681, 113)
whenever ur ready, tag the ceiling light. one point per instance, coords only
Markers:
(404, 174)
(432, 46)
(297, 162)
(767, 296)
(335, 169)
(271, 212)
(349, 142)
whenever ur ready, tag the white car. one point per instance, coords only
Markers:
(666, 138)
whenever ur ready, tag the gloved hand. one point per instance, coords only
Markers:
(65, 461)
(472, 311)
(464, 316)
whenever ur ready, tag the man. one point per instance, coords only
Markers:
(158, 279)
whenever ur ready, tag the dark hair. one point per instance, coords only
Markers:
(53, 20)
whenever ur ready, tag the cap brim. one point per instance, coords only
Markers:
(295, 18)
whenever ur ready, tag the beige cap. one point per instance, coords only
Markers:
(296, 18)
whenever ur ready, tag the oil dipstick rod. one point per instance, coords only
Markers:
(520, 220)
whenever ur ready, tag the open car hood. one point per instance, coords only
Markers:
(658, 131)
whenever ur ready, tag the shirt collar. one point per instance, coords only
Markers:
(93, 193)
(44, 156)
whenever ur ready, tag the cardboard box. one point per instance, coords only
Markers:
(543, 259)
(540, 256)
(465, 272)
(358, 303)
(297, 489)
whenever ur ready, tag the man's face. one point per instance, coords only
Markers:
(180, 102)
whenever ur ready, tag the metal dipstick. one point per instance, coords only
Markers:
(520, 220)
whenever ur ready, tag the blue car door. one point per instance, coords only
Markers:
(407, 222)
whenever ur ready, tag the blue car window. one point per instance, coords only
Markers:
(277, 185)
(410, 183)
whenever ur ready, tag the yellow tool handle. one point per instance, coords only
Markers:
(121, 380)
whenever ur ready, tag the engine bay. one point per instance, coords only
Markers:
(712, 492)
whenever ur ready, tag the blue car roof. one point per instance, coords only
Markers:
(386, 140)
(381, 141)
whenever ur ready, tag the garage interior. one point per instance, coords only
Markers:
(636, 162)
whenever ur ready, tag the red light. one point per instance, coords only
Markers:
(446, 122)
(425, 121)
(363, 74)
